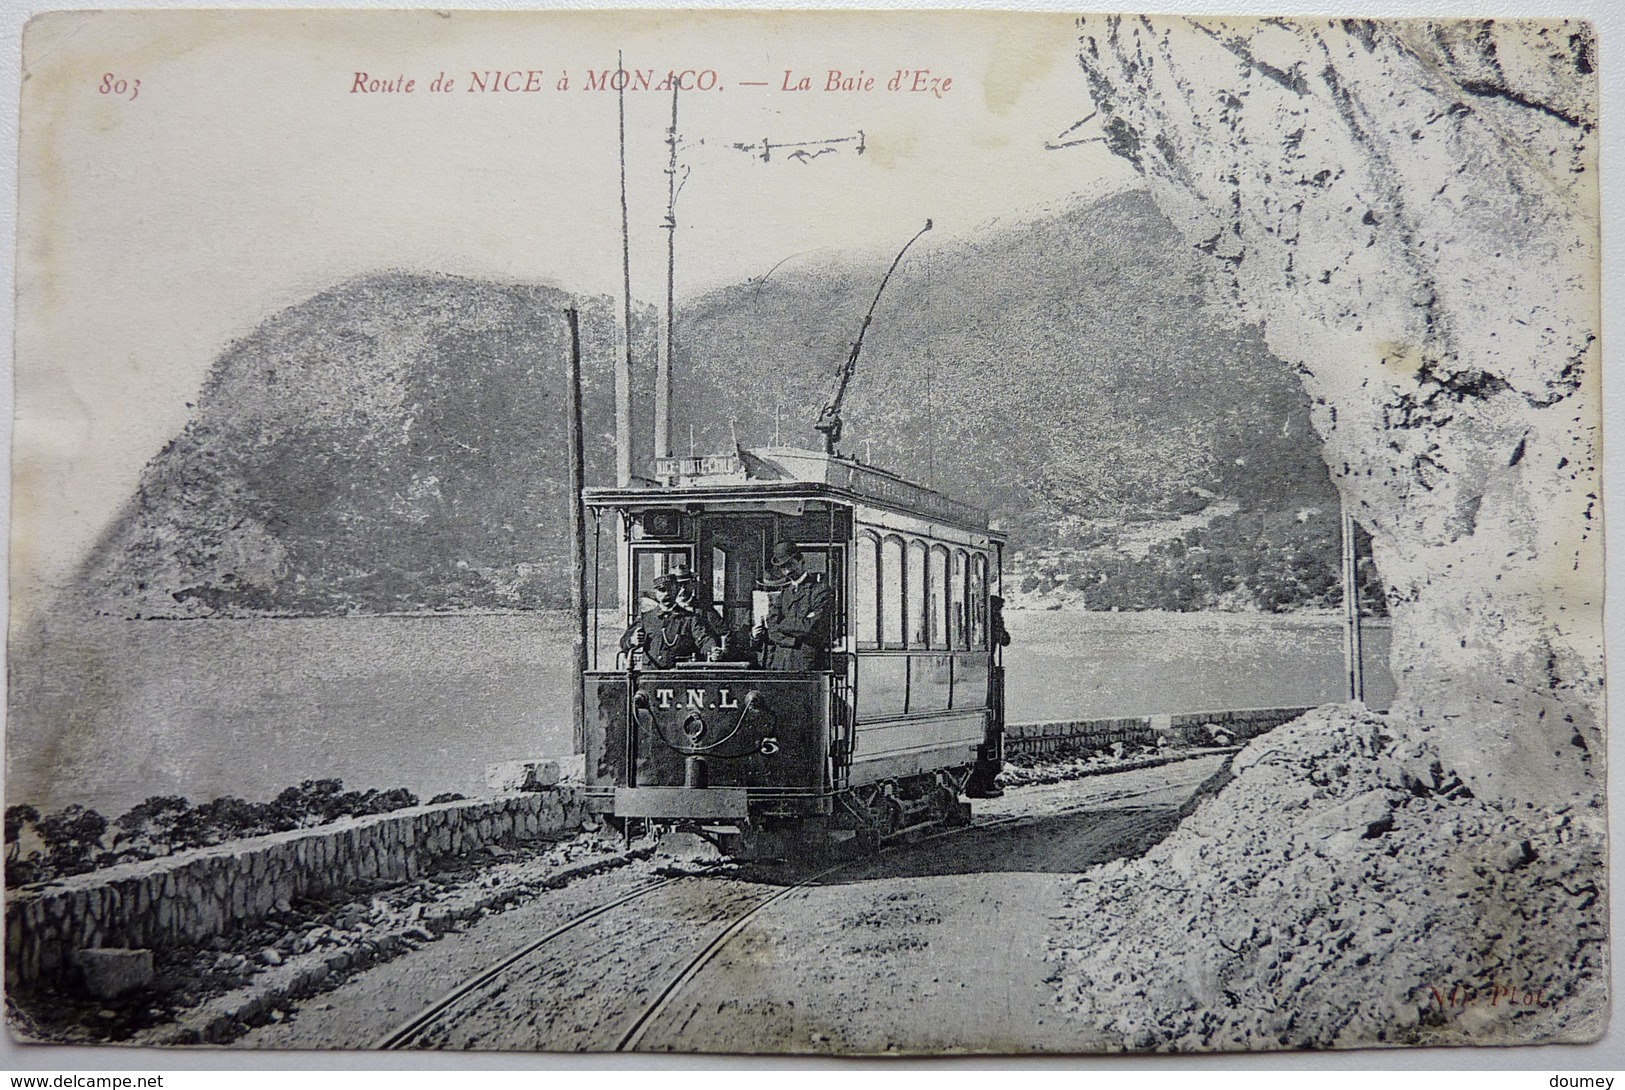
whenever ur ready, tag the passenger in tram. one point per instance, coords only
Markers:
(995, 608)
(795, 633)
(687, 584)
(667, 635)
(688, 600)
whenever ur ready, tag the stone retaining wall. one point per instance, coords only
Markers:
(1201, 728)
(193, 896)
(1080, 737)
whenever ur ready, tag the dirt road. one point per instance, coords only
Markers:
(939, 946)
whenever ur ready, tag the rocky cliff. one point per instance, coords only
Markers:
(1409, 210)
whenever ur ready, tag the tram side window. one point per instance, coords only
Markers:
(719, 575)
(891, 593)
(958, 592)
(866, 604)
(938, 574)
(914, 599)
(978, 602)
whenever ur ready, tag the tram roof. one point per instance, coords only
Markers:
(787, 473)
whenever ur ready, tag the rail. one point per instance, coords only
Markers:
(655, 1013)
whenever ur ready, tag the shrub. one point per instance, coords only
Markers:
(18, 818)
(19, 870)
(227, 818)
(150, 828)
(165, 824)
(72, 836)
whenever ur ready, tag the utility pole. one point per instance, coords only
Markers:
(578, 540)
(1352, 649)
(663, 365)
(623, 370)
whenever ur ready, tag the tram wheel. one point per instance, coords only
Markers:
(891, 817)
(954, 813)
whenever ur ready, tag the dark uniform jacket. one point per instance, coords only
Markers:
(673, 637)
(798, 627)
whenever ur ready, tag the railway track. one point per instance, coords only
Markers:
(468, 995)
(411, 1030)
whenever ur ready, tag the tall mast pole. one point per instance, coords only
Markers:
(578, 540)
(623, 370)
(663, 366)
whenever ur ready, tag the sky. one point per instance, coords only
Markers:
(254, 166)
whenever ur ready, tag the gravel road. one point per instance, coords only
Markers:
(937, 946)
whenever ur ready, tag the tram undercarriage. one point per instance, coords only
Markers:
(859, 819)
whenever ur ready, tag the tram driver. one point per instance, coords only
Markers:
(668, 634)
(795, 633)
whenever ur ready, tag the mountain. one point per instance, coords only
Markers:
(397, 442)
(1067, 365)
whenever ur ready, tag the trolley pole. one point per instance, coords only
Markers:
(1351, 609)
(578, 540)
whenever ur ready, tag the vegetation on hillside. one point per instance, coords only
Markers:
(1064, 366)
(1270, 561)
(397, 443)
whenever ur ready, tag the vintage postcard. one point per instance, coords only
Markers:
(817, 532)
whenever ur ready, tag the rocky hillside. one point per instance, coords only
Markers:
(1343, 891)
(1068, 365)
(1443, 317)
(1396, 879)
(396, 443)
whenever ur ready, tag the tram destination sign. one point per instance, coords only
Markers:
(710, 465)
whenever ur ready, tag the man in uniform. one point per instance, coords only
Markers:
(669, 634)
(795, 633)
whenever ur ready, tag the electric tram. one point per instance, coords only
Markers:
(906, 715)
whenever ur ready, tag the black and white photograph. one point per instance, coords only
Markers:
(806, 533)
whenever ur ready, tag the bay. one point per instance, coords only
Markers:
(107, 712)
